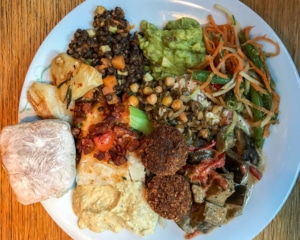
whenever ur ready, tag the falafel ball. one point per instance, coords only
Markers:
(164, 151)
(169, 196)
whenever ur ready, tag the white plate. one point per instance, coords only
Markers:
(281, 148)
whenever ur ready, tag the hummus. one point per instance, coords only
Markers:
(107, 207)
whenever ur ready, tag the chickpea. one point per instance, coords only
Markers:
(147, 90)
(182, 117)
(200, 115)
(158, 89)
(170, 114)
(204, 133)
(152, 99)
(169, 81)
(167, 101)
(134, 87)
(180, 128)
(177, 104)
(133, 100)
(217, 110)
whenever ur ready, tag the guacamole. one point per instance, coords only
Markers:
(173, 49)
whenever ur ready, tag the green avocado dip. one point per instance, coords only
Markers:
(173, 49)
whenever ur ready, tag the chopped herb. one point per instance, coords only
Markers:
(63, 82)
(69, 96)
(87, 61)
(234, 21)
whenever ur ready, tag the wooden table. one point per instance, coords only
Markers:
(23, 26)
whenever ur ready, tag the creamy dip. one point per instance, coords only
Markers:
(107, 207)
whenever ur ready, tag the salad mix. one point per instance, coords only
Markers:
(194, 103)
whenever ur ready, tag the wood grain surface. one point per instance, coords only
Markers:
(23, 26)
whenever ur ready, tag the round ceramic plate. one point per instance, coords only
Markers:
(281, 149)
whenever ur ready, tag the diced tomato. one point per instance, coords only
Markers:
(105, 141)
(256, 173)
(102, 156)
(125, 117)
(217, 86)
(193, 234)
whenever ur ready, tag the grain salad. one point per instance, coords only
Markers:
(174, 116)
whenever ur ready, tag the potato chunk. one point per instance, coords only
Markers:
(46, 102)
(69, 72)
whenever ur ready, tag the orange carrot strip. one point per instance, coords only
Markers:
(247, 31)
(207, 82)
(263, 75)
(258, 88)
(207, 92)
(241, 53)
(236, 89)
(265, 38)
(251, 104)
(255, 124)
(212, 66)
(209, 44)
(212, 21)
(232, 55)
(215, 71)
(258, 123)
(266, 131)
(276, 101)
(204, 64)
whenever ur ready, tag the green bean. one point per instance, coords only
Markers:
(252, 53)
(232, 103)
(257, 115)
(202, 75)
(229, 96)
(264, 100)
(267, 100)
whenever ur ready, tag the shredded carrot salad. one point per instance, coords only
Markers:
(233, 54)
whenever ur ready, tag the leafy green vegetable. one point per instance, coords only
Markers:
(139, 121)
